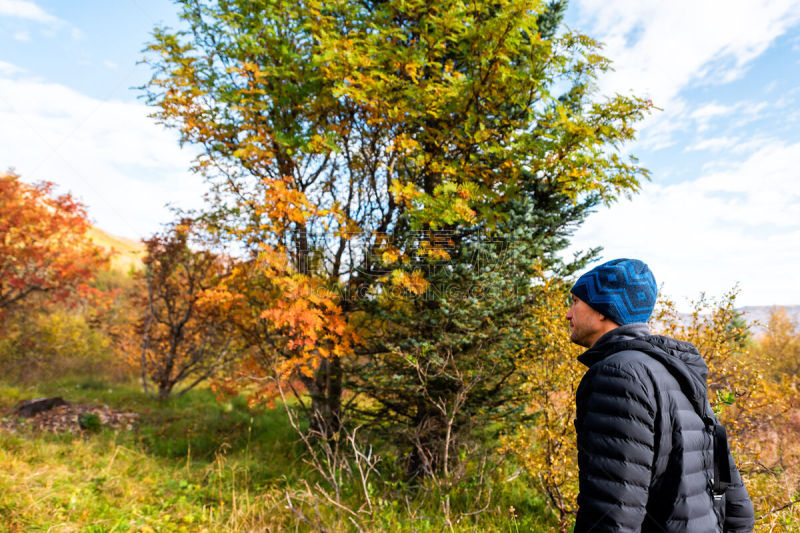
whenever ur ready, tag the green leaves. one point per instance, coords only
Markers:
(338, 132)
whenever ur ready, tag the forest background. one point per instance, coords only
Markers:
(363, 326)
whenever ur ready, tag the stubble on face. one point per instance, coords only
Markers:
(585, 324)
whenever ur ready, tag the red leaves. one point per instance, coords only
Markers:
(44, 246)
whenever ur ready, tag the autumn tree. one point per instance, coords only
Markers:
(44, 245)
(334, 133)
(185, 337)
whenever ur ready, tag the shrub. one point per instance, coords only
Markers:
(53, 344)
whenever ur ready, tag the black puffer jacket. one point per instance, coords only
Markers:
(644, 451)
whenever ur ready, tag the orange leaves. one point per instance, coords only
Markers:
(44, 246)
(294, 319)
(306, 313)
(284, 204)
(300, 311)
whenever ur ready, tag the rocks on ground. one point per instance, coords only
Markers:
(59, 416)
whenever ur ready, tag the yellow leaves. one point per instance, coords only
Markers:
(779, 344)
(547, 448)
(413, 282)
(248, 67)
(438, 254)
(404, 192)
(405, 144)
(283, 203)
(219, 297)
(254, 149)
(436, 251)
(390, 256)
(411, 70)
(320, 144)
(463, 211)
(449, 204)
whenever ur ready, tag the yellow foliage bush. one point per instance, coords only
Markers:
(779, 344)
(52, 343)
(546, 446)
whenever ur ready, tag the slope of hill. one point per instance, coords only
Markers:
(128, 253)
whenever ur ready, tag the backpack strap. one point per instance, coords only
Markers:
(722, 465)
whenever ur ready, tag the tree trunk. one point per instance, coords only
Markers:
(164, 390)
(325, 389)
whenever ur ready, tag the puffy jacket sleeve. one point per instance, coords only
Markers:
(739, 515)
(615, 435)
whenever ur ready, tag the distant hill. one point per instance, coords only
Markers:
(760, 314)
(128, 252)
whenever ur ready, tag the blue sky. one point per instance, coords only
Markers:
(722, 207)
(723, 204)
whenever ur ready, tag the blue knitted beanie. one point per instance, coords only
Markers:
(623, 290)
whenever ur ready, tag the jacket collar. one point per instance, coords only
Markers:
(680, 358)
(600, 349)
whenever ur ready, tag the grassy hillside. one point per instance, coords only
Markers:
(128, 253)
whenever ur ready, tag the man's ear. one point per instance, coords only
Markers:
(608, 321)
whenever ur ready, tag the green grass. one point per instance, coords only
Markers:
(196, 464)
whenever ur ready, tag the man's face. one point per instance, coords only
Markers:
(585, 324)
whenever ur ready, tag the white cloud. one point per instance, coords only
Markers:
(658, 48)
(706, 116)
(27, 10)
(714, 143)
(661, 48)
(7, 69)
(737, 223)
(111, 155)
(711, 110)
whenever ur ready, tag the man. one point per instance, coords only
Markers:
(647, 435)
